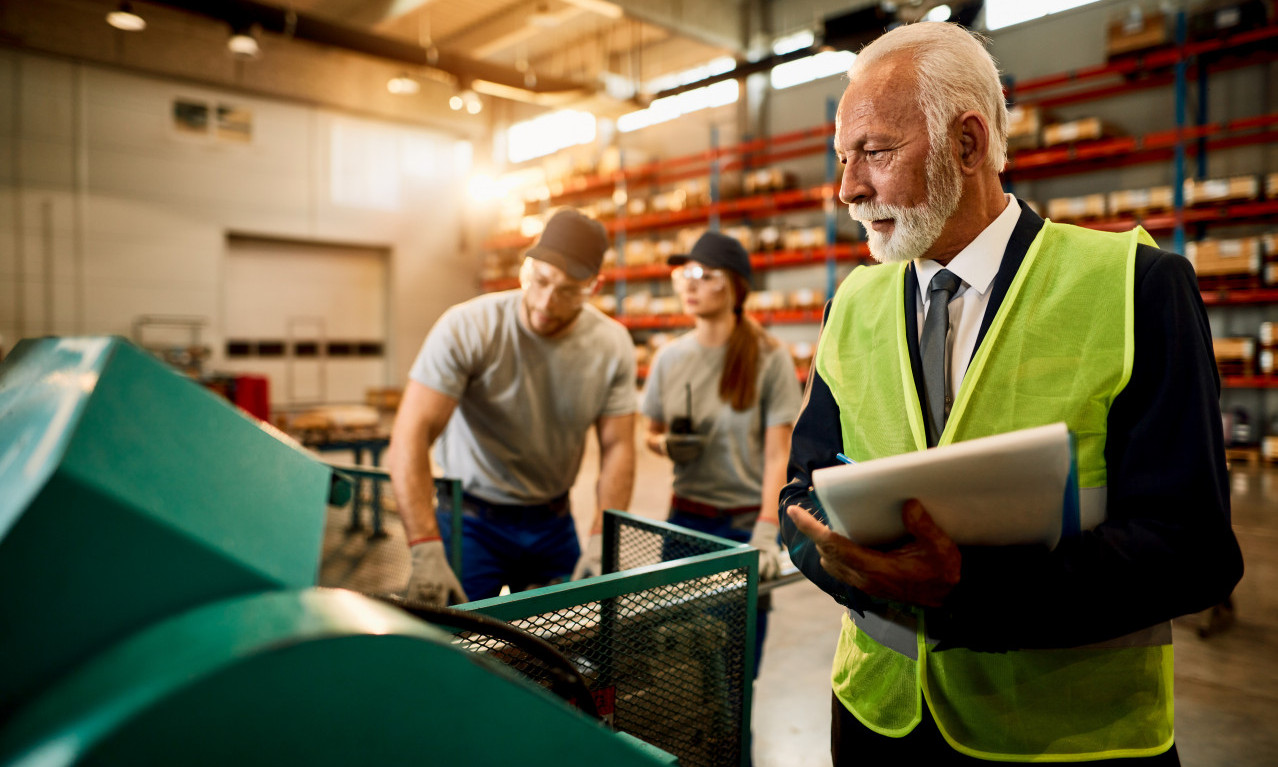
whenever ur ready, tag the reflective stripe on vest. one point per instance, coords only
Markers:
(1059, 348)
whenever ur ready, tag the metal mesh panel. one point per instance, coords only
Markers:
(667, 660)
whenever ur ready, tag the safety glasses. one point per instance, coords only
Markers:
(538, 278)
(691, 272)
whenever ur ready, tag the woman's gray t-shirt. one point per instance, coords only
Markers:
(728, 473)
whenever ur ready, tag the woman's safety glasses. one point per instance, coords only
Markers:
(714, 279)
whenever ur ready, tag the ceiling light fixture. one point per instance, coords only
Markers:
(939, 13)
(124, 18)
(403, 85)
(242, 44)
(468, 100)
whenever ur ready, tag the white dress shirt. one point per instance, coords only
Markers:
(976, 265)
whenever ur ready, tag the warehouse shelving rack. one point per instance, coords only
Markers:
(1175, 65)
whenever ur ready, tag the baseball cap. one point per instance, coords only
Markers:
(717, 251)
(572, 242)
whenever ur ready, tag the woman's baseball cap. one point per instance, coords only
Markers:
(718, 251)
(572, 242)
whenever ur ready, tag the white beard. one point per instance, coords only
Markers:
(916, 228)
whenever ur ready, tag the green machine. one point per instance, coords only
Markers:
(158, 557)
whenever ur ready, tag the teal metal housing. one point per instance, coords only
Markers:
(158, 555)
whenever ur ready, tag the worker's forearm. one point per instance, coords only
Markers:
(770, 500)
(412, 478)
(616, 481)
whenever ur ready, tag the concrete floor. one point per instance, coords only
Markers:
(1226, 683)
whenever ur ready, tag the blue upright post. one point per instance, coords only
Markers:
(1182, 88)
(714, 178)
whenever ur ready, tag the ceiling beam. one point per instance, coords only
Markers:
(718, 23)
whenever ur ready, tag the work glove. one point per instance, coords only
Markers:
(764, 538)
(432, 581)
(591, 561)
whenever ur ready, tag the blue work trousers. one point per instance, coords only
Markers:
(509, 545)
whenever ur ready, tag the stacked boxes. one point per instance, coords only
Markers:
(1216, 190)
(1136, 30)
(1226, 258)
(1066, 208)
(1024, 127)
(1269, 243)
(1086, 129)
(1268, 348)
(1135, 201)
(1235, 356)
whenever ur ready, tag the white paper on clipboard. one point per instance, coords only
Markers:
(995, 491)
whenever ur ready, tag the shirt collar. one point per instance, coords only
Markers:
(977, 264)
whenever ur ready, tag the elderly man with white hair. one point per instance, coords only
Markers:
(983, 318)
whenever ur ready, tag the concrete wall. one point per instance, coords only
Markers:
(107, 212)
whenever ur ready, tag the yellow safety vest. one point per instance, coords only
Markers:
(1059, 349)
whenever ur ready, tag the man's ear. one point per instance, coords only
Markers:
(973, 141)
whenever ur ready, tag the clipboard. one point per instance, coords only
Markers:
(1007, 489)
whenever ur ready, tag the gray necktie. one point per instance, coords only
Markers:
(936, 327)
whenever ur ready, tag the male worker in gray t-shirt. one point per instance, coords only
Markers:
(509, 384)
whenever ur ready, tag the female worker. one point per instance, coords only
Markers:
(721, 402)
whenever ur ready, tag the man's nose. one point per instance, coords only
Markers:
(543, 299)
(852, 187)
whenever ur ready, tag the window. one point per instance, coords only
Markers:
(666, 109)
(548, 134)
(810, 68)
(1005, 13)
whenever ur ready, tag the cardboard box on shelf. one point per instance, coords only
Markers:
(744, 235)
(1268, 335)
(1140, 200)
(639, 252)
(1085, 129)
(764, 180)
(1265, 365)
(770, 238)
(1234, 356)
(1226, 17)
(1066, 208)
(637, 303)
(1200, 191)
(1225, 257)
(765, 301)
(665, 305)
(1136, 30)
(801, 353)
(1024, 127)
(803, 238)
(807, 298)
(1271, 186)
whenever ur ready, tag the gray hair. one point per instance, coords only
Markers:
(955, 74)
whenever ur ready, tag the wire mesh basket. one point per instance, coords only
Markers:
(665, 638)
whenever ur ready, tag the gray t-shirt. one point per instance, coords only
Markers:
(729, 471)
(525, 402)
